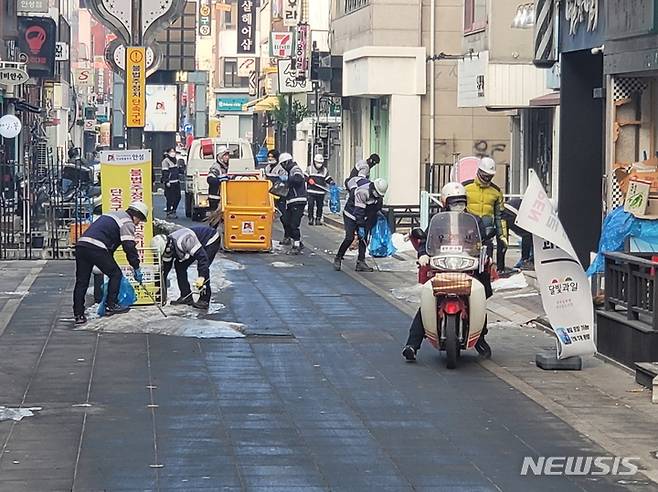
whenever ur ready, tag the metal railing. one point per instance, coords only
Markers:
(630, 286)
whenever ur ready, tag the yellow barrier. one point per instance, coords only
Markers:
(248, 211)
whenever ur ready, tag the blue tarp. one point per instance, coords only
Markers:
(127, 296)
(617, 227)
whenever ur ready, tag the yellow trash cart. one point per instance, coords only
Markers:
(248, 212)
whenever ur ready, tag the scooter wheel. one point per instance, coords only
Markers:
(452, 349)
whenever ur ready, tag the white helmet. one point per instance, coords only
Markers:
(362, 168)
(487, 166)
(159, 243)
(319, 159)
(453, 191)
(140, 209)
(285, 157)
(223, 150)
(381, 186)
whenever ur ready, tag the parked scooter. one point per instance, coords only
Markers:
(453, 300)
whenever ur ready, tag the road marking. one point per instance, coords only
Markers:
(11, 305)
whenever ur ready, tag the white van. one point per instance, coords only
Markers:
(200, 157)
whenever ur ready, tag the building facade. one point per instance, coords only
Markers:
(402, 105)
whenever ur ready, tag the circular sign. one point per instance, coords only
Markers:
(10, 126)
(204, 30)
(204, 10)
(136, 56)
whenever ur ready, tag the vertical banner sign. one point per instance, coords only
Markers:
(291, 12)
(281, 44)
(301, 51)
(562, 281)
(246, 27)
(125, 178)
(136, 87)
(204, 18)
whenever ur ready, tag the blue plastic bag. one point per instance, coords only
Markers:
(381, 244)
(127, 296)
(334, 199)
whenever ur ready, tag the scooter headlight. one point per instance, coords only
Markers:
(454, 263)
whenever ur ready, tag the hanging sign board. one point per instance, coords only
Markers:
(246, 27)
(136, 82)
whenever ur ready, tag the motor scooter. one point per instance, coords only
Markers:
(453, 300)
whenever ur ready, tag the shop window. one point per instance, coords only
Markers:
(475, 15)
(352, 5)
(231, 78)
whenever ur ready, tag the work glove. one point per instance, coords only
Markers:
(139, 275)
(168, 185)
(311, 181)
(200, 283)
(503, 241)
(361, 231)
(424, 260)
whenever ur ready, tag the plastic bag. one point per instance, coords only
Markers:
(334, 199)
(127, 296)
(381, 244)
(279, 189)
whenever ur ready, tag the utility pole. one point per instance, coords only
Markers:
(135, 133)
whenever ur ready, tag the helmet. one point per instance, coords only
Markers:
(159, 243)
(381, 186)
(140, 209)
(319, 159)
(453, 192)
(487, 166)
(223, 150)
(285, 157)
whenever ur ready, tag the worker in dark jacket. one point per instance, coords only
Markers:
(318, 183)
(182, 248)
(359, 215)
(218, 172)
(295, 201)
(96, 248)
(273, 171)
(362, 168)
(171, 180)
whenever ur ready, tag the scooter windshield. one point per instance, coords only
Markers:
(453, 233)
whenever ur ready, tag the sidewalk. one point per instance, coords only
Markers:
(602, 401)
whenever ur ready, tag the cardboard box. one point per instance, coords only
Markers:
(637, 197)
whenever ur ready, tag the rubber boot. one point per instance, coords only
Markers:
(338, 264)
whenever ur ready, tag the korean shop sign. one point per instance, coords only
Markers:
(246, 27)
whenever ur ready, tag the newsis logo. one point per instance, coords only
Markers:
(579, 466)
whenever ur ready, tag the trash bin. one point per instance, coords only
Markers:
(248, 210)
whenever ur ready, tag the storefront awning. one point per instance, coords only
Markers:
(263, 104)
(547, 100)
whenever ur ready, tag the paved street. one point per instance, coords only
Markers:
(315, 398)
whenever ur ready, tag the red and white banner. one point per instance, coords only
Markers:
(563, 284)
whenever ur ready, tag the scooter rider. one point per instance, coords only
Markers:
(453, 196)
(295, 201)
(182, 248)
(218, 172)
(486, 201)
(318, 181)
(96, 248)
(273, 172)
(361, 209)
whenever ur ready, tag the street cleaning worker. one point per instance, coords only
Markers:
(96, 248)
(362, 168)
(454, 198)
(171, 180)
(218, 172)
(318, 184)
(295, 201)
(485, 200)
(182, 248)
(273, 171)
(360, 214)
